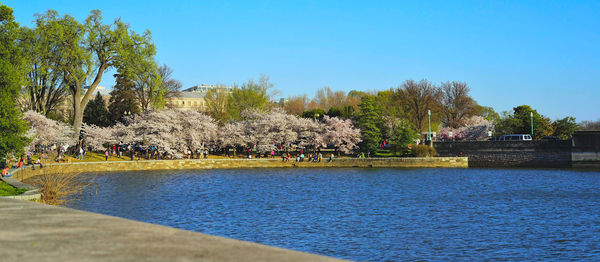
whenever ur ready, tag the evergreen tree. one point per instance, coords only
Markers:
(316, 113)
(402, 136)
(123, 100)
(565, 128)
(96, 113)
(520, 123)
(334, 112)
(347, 112)
(369, 122)
(12, 126)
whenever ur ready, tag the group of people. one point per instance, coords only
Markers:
(23, 162)
(200, 153)
(312, 157)
(148, 152)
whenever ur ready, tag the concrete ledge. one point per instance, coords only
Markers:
(31, 195)
(38, 232)
(111, 166)
(32, 192)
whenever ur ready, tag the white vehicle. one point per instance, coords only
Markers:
(521, 137)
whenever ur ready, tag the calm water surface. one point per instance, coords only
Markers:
(371, 214)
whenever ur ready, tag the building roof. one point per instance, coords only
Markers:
(204, 88)
(199, 91)
(186, 94)
(99, 89)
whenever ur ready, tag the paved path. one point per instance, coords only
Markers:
(37, 232)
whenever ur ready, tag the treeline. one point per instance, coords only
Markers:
(402, 114)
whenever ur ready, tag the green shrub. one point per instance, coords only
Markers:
(424, 151)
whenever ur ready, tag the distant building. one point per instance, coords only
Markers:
(193, 97)
(105, 93)
(283, 101)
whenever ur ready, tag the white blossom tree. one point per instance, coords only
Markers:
(198, 130)
(268, 130)
(174, 132)
(44, 131)
(307, 130)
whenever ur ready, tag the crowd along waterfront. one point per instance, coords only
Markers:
(370, 214)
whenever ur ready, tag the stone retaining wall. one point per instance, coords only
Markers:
(83, 167)
(586, 149)
(539, 153)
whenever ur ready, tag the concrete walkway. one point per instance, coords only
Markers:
(37, 232)
(16, 183)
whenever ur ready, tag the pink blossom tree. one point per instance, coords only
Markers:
(339, 133)
(266, 131)
(173, 131)
(44, 131)
(475, 128)
(96, 137)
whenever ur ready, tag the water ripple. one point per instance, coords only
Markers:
(371, 214)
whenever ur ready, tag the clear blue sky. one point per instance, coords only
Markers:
(542, 53)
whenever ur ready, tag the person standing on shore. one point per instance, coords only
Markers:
(106, 155)
(80, 156)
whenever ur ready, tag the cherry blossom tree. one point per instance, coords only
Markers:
(174, 132)
(339, 133)
(307, 130)
(475, 128)
(198, 130)
(266, 131)
(96, 137)
(44, 131)
(232, 135)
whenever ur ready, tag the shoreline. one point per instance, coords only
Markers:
(190, 164)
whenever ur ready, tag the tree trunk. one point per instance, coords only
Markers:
(77, 113)
(81, 102)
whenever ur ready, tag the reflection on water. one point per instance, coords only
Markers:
(371, 214)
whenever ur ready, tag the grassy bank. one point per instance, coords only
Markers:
(98, 157)
(8, 190)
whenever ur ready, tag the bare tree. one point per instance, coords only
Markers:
(296, 105)
(417, 98)
(172, 86)
(326, 98)
(590, 125)
(457, 105)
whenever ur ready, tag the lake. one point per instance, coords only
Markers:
(370, 214)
